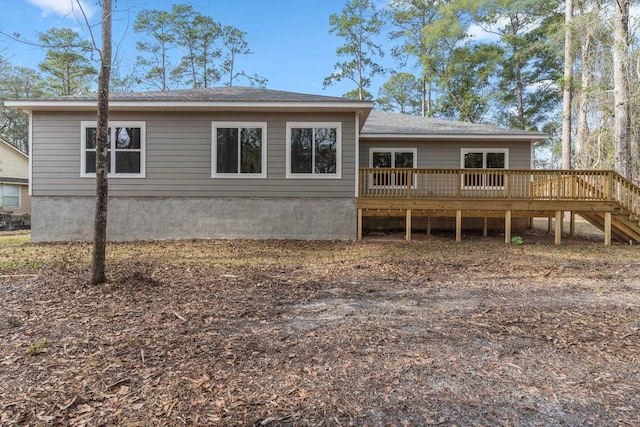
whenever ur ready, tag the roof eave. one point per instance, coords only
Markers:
(48, 105)
(457, 136)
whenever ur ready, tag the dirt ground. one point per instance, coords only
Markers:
(377, 333)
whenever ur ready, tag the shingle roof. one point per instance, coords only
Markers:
(384, 123)
(213, 94)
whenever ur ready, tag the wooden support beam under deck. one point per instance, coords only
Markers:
(572, 224)
(359, 224)
(507, 227)
(458, 225)
(408, 225)
(558, 227)
(607, 228)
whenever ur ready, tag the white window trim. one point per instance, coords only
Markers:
(392, 150)
(2, 186)
(113, 125)
(314, 125)
(484, 152)
(214, 151)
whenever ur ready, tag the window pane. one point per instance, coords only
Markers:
(404, 160)
(10, 191)
(227, 150)
(381, 160)
(90, 164)
(326, 150)
(11, 196)
(92, 138)
(11, 202)
(251, 150)
(473, 160)
(495, 160)
(128, 138)
(127, 162)
(301, 150)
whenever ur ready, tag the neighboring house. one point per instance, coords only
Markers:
(14, 179)
(239, 162)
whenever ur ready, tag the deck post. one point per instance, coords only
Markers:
(458, 225)
(507, 227)
(359, 224)
(507, 179)
(428, 226)
(558, 227)
(572, 224)
(607, 228)
(485, 226)
(408, 226)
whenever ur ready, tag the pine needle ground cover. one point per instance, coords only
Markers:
(320, 333)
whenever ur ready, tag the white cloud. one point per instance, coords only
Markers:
(478, 33)
(487, 32)
(65, 8)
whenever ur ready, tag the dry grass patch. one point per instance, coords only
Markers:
(320, 333)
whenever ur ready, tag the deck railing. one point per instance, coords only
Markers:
(499, 184)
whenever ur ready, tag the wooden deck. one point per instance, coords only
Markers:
(603, 198)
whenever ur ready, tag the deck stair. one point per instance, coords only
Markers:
(625, 217)
(625, 227)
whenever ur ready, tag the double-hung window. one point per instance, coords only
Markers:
(10, 196)
(489, 158)
(392, 158)
(314, 150)
(125, 149)
(239, 150)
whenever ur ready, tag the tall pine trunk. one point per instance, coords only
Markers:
(582, 131)
(567, 91)
(621, 92)
(102, 188)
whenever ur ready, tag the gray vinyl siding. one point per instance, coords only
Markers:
(178, 157)
(446, 154)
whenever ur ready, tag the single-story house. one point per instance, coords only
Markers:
(237, 162)
(14, 179)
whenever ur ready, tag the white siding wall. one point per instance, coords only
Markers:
(12, 163)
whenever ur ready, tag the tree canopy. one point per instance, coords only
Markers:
(357, 25)
(502, 62)
(67, 67)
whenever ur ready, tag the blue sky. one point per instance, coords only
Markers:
(290, 38)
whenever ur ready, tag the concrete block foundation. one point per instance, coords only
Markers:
(172, 218)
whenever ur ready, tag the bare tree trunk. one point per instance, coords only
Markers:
(102, 190)
(621, 92)
(517, 70)
(582, 132)
(568, 85)
(423, 96)
(429, 94)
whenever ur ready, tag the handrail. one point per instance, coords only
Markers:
(523, 184)
(625, 193)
